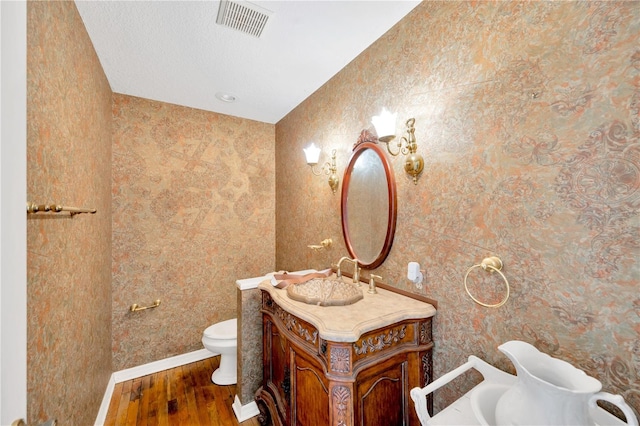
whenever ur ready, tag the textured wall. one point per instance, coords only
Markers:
(69, 259)
(527, 114)
(193, 211)
(249, 344)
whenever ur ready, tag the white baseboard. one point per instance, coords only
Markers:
(106, 399)
(143, 370)
(244, 412)
(161, 365)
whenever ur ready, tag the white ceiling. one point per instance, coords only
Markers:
(173, 51)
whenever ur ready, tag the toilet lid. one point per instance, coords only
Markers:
(223, 330)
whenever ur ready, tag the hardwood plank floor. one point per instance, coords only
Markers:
(182, 396)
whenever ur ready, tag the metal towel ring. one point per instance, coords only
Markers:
(494, 264)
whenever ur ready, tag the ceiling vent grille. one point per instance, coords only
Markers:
(243, 16)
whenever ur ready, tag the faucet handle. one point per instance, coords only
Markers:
(372, 283)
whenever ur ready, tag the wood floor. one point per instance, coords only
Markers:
(181, 396)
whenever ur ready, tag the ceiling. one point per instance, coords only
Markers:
(175, 52)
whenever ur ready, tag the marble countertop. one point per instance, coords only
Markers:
(348, 323)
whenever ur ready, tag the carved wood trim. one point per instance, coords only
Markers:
(426, 368)
(340, 360)
(268, 407)
(264, 416)
(365, 136)
(341, 396)
(425, 332)
(427, 376)
(380, 342)
(292, 323)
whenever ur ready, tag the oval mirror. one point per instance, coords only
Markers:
(368, 203)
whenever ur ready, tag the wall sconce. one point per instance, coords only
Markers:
(329, 168)
(385, 125)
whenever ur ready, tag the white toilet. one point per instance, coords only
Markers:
(222, 338)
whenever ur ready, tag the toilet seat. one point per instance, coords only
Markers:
(225, 330)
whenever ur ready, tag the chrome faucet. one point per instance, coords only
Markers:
(356, 269)
(372, 283)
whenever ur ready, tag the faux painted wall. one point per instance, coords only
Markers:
(250, 365)
(68, 259)
(527, 114)
(193, 211)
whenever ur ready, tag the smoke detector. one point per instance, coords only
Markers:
(243, 16)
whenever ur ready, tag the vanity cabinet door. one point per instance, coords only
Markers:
(310, 396)
(382, 394)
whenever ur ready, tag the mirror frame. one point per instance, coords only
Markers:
(368, 141)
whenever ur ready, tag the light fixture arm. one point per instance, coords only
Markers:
(330, 169)
(410, 140)
(389, 148)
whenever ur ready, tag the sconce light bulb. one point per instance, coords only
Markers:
(312, 153)
(385, 125)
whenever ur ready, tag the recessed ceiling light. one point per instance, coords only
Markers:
(225, 97)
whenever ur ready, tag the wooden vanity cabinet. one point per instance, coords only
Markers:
(309, 381)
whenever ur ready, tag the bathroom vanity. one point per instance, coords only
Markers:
(343, 365)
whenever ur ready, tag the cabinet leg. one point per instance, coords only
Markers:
(264, 418)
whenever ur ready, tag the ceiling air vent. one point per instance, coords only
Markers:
(243, 16)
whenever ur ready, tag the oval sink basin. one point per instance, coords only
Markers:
(325, 292)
